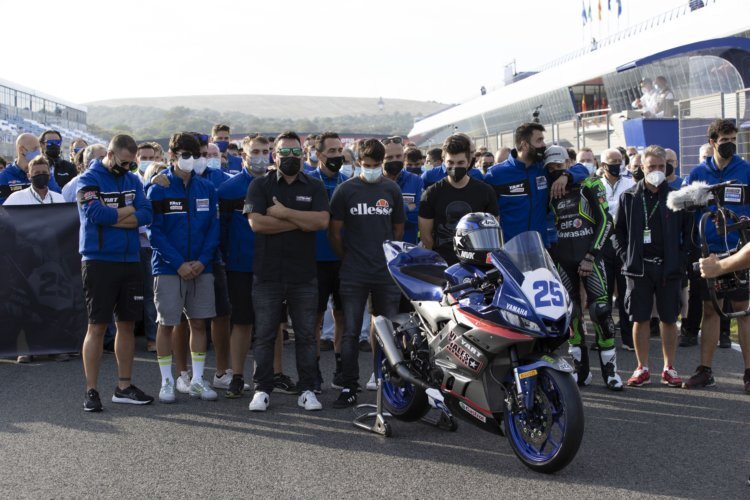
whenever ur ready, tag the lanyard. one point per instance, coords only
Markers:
(646, 215)
(37, 197)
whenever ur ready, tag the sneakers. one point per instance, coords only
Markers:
(309, 402)
(364, 346)
(224, 381)
(166, 393)
(703, 377)
(201, 389)
(687, 340)
(338, 380)
(183, 383)
(92, 402)
(669, 377)
(260, 402)
(372, 384)
(608, 362)
(346, 399)
(326, 345)
(284, 384)
(628, 347)
(236, 388)
(724, 341)
(640, 377)
(580, 355)
(23, 359)
(151, 346)
(132, 396)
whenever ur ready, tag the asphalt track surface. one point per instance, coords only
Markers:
(646, 442)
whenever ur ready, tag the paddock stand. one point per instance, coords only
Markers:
(380, 425)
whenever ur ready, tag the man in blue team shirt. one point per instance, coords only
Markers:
(112, 206)
(15, 176)
(329, 151)
(220, 135)
(724, 165)
(521, 184)
(438, 173)
(411, 186)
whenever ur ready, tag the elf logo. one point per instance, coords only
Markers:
(381, 208)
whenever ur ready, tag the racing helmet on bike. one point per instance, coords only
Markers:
(477, 234)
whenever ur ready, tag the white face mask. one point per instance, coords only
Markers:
(347, 169)
(656, 178)
(186, 164)
(199, 165)
(372, 175)
(258, 164)
(143, 165)
(213, 163)
(590, 167)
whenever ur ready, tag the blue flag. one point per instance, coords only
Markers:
(609, 5)
(583, 13)
(619, 7)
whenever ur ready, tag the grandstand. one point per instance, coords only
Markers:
(26, 110)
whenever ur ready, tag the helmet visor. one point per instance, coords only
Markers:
(487, 238)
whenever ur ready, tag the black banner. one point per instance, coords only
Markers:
(42, 310)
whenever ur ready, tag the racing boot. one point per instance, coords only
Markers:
(580, 355)
(608, 360)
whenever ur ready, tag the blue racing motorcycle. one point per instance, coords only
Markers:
(481, 343)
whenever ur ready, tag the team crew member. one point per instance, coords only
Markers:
(413, 161)
(520, 183)
(330, 153)
(440, 172)
(184, 236)
(725, 164)
(285, 208)
(61, 169)
(653, 243)
(38, 192)
(112, 206)
(445, 202)
(583, 228)
(220, 135)
(15, 176)
(369, 209)
(411, 186)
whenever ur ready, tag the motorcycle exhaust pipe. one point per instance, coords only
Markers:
(384, 335)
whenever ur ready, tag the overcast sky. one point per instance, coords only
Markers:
(440, 50)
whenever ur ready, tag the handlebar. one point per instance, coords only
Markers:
(476, 282)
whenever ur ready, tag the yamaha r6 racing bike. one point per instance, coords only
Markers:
(481, 344)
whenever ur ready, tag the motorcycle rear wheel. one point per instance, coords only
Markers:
(402, 400)
(547, 437)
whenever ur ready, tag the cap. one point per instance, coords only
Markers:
(555, 154)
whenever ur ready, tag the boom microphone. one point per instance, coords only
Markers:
(697, 194)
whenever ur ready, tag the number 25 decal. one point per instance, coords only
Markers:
(548, 294)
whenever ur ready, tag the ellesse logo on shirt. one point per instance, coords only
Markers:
(381, 208)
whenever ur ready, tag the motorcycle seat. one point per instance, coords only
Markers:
(430, 273)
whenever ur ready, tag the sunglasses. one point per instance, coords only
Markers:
(53, 142)
(186, 154)
(288, 151)
(395, 140)
(128, 165)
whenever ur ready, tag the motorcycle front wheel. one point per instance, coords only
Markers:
(547, 436)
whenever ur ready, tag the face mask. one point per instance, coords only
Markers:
(200, 165)
(213, 163)
(655, 178)
(669, 169)
(186, 164)
(727, 149)
(347, 169)
(290, 165)
(30, 155)
(371, 175)
(53, 151)
(313, 156)
(590, 167)
(393, 167)
(40, 181)
(258, 164)
(456, 173)
(143, 165)
(118, 170)
(334, 164)
(222, 145)
(537, 154)
(613, 169)
(357, 171)
(638, 174)
(554, 175)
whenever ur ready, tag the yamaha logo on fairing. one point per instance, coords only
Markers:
(518, 310)
(381, 208)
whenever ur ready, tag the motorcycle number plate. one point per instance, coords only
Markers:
(530, 373)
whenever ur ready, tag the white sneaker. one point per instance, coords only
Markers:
(201, 389)
(372, 384)
(223, 381)
(308, 401)
(166, 394)
(183, 383)
(260, 402)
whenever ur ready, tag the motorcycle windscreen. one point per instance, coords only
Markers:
(540, 282)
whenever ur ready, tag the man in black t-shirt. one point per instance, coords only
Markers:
(370, 210)
(445, 202)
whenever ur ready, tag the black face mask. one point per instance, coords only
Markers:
(457, 173)
(727, 150)
(118, 170)
(638, 174)
(290, 165)
(554, 175)
(669, 170)
(393, 167)
(537, 154)
(40, 181)
(334, 164)
(52, 151)
(613, 169)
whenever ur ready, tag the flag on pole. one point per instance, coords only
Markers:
(600, 10)
(590, 18)
(619, 8)
(583, 13)
(609, 5)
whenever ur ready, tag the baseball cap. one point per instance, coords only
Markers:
(555, 154)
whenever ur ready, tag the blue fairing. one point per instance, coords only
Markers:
(401, 255)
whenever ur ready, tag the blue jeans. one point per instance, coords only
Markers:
(385, 301)
(302, 299)
(149, 308)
